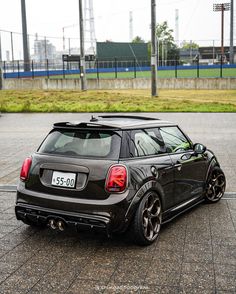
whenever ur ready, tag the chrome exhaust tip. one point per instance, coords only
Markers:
(61, 225)
(52, 224)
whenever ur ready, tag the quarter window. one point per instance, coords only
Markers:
(174, 139)
(146, 142)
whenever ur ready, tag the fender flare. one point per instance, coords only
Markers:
(213, 163)
(147, 187)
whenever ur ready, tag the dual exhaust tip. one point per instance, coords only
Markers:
(57, 224)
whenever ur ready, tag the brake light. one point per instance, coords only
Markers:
(24, 174)
(116, 179)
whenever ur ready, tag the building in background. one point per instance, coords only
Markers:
(123, 53)
(43, 50)
(212, 55)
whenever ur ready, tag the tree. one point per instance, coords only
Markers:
(138, 39)
(167, 49)
(190, 45)
(164, 33)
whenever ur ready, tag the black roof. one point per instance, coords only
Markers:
(115, 122)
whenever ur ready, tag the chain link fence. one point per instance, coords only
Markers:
(46, 60)
(98, 69)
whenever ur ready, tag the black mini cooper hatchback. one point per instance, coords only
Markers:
(116, 173)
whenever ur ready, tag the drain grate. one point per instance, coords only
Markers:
(8, 188)
(229, 195)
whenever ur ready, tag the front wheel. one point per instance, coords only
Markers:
(215, 185)
(147, 220)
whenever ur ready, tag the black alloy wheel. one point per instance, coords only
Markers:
(216, 184)
(147, 220)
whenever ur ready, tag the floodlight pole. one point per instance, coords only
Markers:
(222, 7)
(222, 30)
(153, 49)
(25, 37)
(82, 54)
(0, 51)
(231, 54)
(0, 62)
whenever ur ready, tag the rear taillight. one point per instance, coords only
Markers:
(116, 179)
(24, 174)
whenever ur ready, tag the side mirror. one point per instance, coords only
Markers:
(199, 148)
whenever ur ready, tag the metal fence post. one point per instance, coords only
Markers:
(1, 78)
(47, 69)
(221, 66)
(32, 68)
(198, 69)
(63, 70)
(135, 71)
(18, 69)
(116, 68)
(4, 69)
(176, 69)
(97, 69)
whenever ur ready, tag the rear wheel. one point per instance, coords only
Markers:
(215, 186)
(147, 220)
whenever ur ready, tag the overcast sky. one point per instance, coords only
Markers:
(197, 21)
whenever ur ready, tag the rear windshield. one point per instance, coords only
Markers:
(82, 143)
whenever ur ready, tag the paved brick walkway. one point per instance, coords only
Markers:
(196, 253)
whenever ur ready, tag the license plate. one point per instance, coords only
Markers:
(63, 179)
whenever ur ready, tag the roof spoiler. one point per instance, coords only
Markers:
(125, 116)
(81, 125)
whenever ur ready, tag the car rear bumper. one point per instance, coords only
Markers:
(41, 216)
(109, 214)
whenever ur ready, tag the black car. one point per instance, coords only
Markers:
(116, 173)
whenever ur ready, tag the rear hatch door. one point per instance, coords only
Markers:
(74, 163)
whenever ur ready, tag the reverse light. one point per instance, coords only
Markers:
(24, 174)
(116, 179)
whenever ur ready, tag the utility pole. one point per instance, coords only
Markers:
(222, 7)
(82, 54)
(153, 49)
(63, 39)
(25, 37)
(0, 63)
(231, 54)
(0, 51)
(177, 27)
(131, 26)
(12, 48)
(63, 35)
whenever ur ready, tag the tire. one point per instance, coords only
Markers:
(147, 220)
(215, 185)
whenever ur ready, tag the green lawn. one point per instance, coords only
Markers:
(118, 101)
(184, 73)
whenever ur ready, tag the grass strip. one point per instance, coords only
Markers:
(118, 101)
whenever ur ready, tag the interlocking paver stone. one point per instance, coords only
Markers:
(42, 261)
(196, 253)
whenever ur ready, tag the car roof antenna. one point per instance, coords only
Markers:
(93, 118)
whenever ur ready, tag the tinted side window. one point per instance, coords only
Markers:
(174, 139)
(146, 142)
